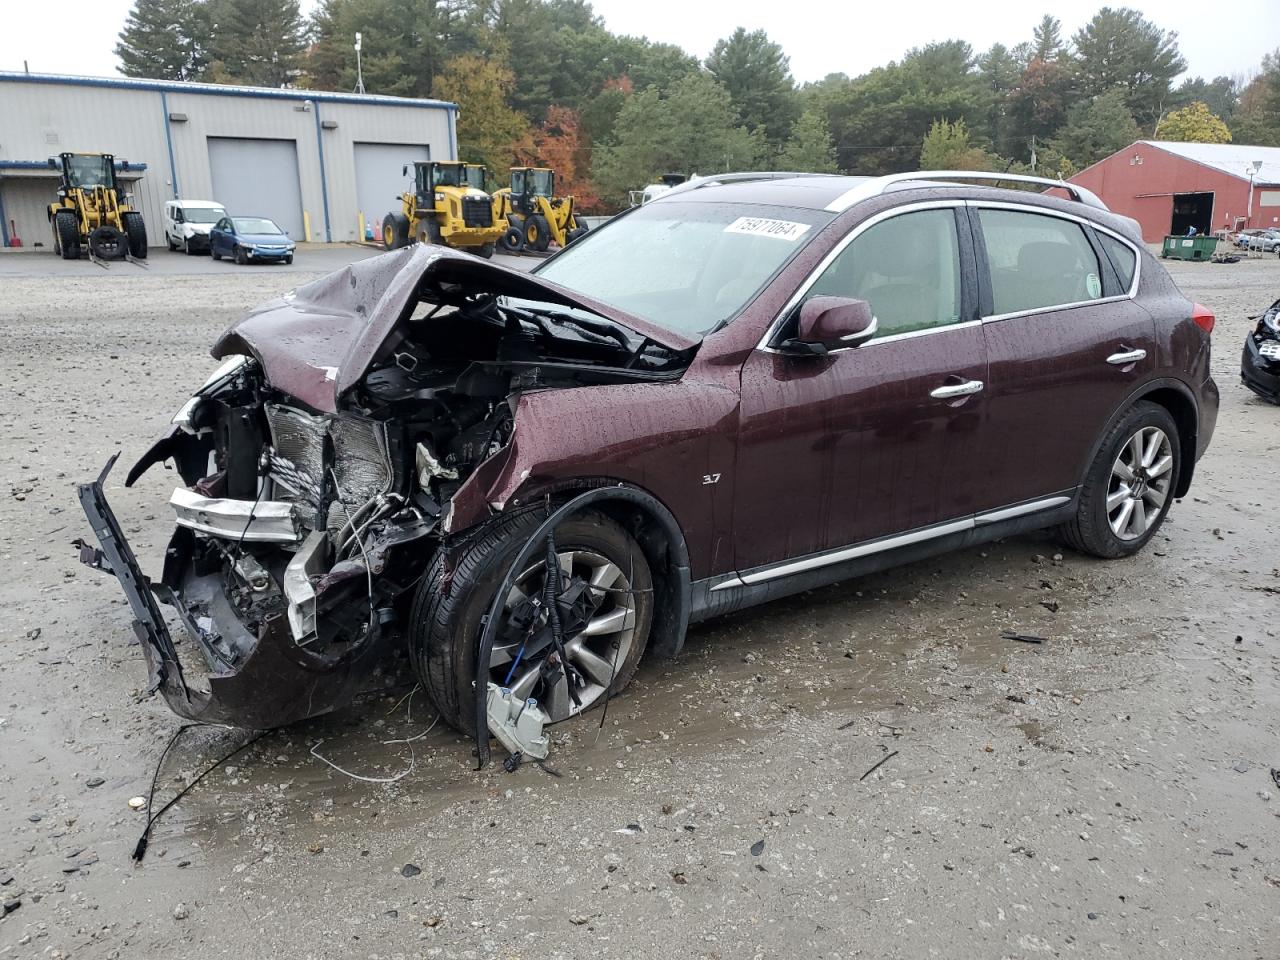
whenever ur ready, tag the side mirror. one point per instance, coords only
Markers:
(832, 323)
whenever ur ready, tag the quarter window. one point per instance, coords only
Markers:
(1122, 258)
(1038, 261)
(906, 267)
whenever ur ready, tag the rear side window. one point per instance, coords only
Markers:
(1038, 261)
(906, 267)
(1122, 258)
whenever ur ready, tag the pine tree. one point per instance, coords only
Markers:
(163, 40)
(757, 75)
(256, 42)
(810, 149)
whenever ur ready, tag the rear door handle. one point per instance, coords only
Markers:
(1127, 356)
(953, 390)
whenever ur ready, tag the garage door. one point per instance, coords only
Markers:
(258, 178)
(379, 177)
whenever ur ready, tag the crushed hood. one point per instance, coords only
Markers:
(318, 341)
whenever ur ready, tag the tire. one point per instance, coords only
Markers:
(288, 260)
(68, 232)
(574, 234)
(444, 627)
(484, 251)
(108, 243)
(395, 231)
(135, 229)
(240, 257)
(512, 240)
(214, 253)
(537, 233)
(1092, 531)
(168, 242)
(581, 225)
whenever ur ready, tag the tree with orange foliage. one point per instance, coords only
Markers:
(558, 143)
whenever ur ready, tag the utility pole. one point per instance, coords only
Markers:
(1033, 153)
(1253, 172)
(359, 66)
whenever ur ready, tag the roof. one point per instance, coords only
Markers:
(1233, 159)
(810, 191)
(222, 90)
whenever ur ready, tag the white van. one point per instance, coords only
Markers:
(187, 224)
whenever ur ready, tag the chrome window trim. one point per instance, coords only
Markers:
(796, 298)
(868, 547)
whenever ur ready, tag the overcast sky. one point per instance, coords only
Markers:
(1215, 38)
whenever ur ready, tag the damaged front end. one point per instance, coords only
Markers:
(1260, 362)
(319, 466)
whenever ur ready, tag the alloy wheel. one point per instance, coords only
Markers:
(595, 652)
(1140, 483)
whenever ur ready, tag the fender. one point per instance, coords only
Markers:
(1136, 394)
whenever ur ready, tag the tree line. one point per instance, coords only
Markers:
(545, 82)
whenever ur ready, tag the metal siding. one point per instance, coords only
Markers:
(258, 178)
(25, 203)
(129, 120)
(379, 179)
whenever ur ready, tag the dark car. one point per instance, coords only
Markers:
(1260, 365)
(747, 388)
(250, 239)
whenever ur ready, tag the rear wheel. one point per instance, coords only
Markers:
(135, 229)
(1129, 487)
(395, 231)
(603, 647)
(537, 233)
(67, 231)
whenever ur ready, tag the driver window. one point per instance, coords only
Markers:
(906, 267)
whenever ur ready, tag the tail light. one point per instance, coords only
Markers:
(1203, 317)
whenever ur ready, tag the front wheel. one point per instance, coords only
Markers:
(1129, 487)
(240, 256)
(537, 233)
(484, 251)
(288, 260)
(603, 642)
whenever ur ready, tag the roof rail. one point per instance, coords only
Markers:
(715, 179)
(875, 186)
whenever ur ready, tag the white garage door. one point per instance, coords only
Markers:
(380, 179)
(258, 178)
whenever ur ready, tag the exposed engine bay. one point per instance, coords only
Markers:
(306, 529)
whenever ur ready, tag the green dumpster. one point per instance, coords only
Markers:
(1189, 248)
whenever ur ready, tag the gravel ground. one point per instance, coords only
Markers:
(1104, 794)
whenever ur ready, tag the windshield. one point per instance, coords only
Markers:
(203, 214)
(89, 171)
(255, 225)
(475, 177)
(543, 183)
(687, 266)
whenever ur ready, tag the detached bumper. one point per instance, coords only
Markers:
(1261, 374)
(260, 682)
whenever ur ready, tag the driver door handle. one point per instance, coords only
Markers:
(1127, 356)
(952, 390)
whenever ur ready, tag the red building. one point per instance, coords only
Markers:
(1169, 187)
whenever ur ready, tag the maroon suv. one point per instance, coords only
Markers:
(750, 387)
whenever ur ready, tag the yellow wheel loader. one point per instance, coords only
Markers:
(447, 205)
(91, 213)
(536, 217)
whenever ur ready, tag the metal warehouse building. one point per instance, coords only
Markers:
(1169, 187)
(314, 162)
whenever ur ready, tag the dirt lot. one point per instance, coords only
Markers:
(1104, 794)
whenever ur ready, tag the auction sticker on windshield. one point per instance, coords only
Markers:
(762, 227)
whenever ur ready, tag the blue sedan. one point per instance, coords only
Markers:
(250, 239)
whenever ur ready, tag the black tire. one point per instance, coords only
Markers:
(512, 240)
(135, 229)
(537, 233)
(395, 231)
(444, 626)
(108, 243)
(484, 251)
(574, 234)
(240, 257)
(68, 233)
(168, 242)
(214, 253)
(580, 223)
(1090, 530)
(288, 260)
